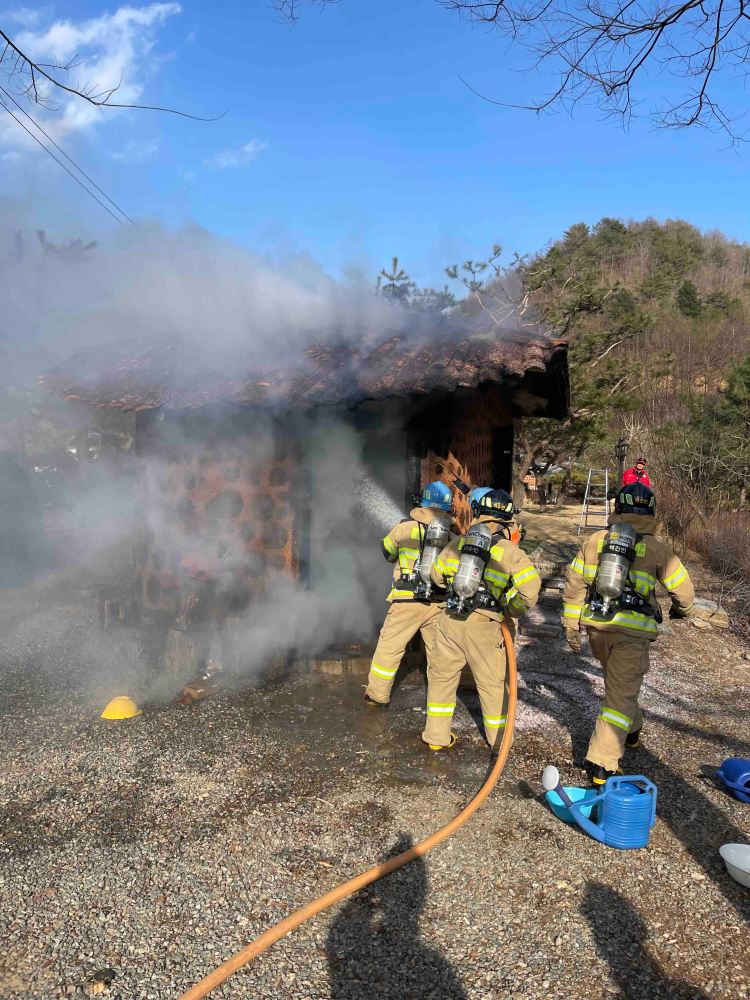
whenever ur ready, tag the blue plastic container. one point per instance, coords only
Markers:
(559, 808)
(625, 813)
(735, 773)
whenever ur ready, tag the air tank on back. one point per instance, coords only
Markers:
(468, 576)
(436, 538)
(614, 563)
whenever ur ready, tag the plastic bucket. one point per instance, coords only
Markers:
(735, 774)
(737, 859)
(559, 808)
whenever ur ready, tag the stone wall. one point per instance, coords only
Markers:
(220, 492)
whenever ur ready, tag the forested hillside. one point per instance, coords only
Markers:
(657, 316)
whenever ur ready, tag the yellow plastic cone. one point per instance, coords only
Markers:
(121, 707)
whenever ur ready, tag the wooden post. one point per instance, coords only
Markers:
(185, 655)
(188, 639)
(194, 602)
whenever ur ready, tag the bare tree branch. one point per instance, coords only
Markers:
(601, 49)
(16, 64)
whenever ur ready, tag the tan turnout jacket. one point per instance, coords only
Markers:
(401, 546)
(654, 561)
(509, 575)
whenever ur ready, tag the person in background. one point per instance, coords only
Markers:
(407, 615)
(637, 474)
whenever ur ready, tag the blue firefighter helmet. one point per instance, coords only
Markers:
(478, 493)
(436, 495)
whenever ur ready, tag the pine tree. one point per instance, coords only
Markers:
(398, 287)
(688, 300)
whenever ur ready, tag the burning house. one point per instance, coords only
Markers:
(259, 476)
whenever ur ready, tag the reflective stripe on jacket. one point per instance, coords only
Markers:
(402, 544)
(509, 575)
(654, 561)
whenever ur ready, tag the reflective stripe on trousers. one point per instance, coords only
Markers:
(624, 660)
(478, 641)
(401, 624)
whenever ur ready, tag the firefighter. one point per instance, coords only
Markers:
(504, 583)
(621, 627)
(637, 474)
(407, 615)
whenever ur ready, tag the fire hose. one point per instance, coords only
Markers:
(274, 934)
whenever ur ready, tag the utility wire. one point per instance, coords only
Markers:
(79, 169)
(62, 165)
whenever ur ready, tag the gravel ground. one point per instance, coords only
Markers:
(159, 846)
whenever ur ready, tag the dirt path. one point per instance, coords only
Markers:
(160, 845)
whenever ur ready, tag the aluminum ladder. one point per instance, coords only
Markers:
(597, 488)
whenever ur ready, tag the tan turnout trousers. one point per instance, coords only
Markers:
(403, 621)
(624, 660)
(478, 641)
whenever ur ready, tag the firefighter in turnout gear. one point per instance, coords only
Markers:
(409, 612)
(487, 578)
(610, 593)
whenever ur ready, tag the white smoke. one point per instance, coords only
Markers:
(222, 299)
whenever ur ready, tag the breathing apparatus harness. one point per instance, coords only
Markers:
(433, 538)
(467, 590)
(611, 590)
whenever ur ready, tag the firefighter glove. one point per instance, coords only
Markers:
(675, 613)
(574, 639)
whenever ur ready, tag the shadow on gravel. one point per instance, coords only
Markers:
(564, 691)
(740, 748)
(620, 938)
(374, 946)
(700, 825)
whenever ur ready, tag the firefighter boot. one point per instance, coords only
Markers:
(375, 704)
(437, 746)
(633, 740)
(600, 774)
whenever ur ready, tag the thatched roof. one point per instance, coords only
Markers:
(166, 372)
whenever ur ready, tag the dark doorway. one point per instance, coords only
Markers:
(502, 458)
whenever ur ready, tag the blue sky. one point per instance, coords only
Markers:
(351, 138)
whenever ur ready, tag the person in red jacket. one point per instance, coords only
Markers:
(637, 474)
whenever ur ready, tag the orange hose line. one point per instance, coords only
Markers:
(274, 934)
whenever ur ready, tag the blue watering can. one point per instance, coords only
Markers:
(625, 811)
(735, 773)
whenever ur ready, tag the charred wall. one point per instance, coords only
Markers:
(226, 490)
(222, 491)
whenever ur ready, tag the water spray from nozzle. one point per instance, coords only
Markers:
(376, 503)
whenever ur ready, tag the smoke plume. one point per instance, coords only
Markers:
(58, 296)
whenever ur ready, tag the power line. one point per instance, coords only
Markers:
(16, 120)
(79, 169)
